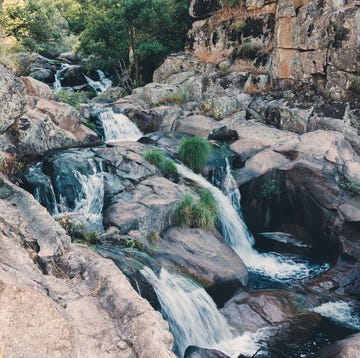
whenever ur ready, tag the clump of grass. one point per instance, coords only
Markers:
(248, 50)
(239, 25)
(72, 98)
(180, 96)
(194, 152)
(199, 213)
(166, 166)
(269, 189)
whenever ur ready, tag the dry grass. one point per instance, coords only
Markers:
(212, 56)
(247, 66)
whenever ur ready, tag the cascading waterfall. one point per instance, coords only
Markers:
(88, 204)
(99, 86)
(193, 317)
(237, 235)
(118, 127)
(59, 75)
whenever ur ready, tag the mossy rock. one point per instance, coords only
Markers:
(5, 190)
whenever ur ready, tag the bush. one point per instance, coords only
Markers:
(180, 96)
(194, 152)
(197, 214)
(269, 189)
(166, 166)
(72, 98)
(248, 51)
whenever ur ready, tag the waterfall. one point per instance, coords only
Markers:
(59, 75)
(189, 310)
(99, 86)
(231, 190)
(89, 203)
(237, 235)
(118, 127)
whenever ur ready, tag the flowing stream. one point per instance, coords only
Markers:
(118, 127)
(237, 235)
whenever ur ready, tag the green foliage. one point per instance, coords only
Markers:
(197, 213)
(181, 95)
(5, 190)
(72, 98)
(194, 152)
(352, 187)
(154, 157)
(248, 50)
(166, 166)
(37, 26)
(205, 82)
(269, 189)
(239, 25)
(138, 32)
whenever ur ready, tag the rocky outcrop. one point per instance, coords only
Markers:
(197, 352)
(301, 42)
(12, 98)
(87, 305)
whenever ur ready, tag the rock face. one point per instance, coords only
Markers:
(203, 8)
(87, 305)
(293, 42)
(12, 98)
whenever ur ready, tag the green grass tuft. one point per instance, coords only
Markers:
(166, 166)
(194, 152)
(199, 213)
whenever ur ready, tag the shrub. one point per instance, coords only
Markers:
(248, 51)
(194, 153)
(166, 166)
(239, 25)
(269, 189)
(197, 213)
(72, 98)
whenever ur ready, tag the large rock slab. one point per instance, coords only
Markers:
(150, 207)
(204, 256)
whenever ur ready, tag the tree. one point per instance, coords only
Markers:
(138, 32)
(37, 26)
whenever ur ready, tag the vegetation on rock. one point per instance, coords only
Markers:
(166, 166)
(199, 213)
(194, 152)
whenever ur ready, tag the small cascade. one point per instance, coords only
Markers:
(88, 203)
(231, 190)
(345, 313)
(237, 235)
(189, 310)
(90, 200)
(118, 127)
(59, 75)
(99, 86)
